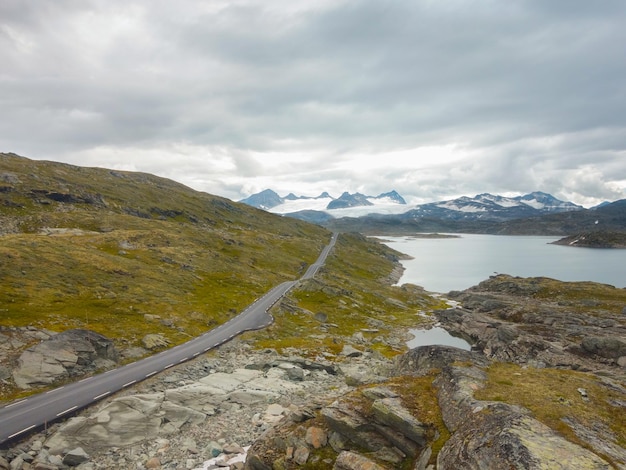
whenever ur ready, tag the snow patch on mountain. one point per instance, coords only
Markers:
(297, 205)
(482, 206)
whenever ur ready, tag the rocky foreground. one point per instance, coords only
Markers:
(544, 388)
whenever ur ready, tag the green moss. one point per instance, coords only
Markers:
(553, 397)
(354, 293)
(420, 397)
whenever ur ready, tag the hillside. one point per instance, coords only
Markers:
(97, 248)
(600, 239)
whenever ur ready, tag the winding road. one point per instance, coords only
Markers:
(37, 411)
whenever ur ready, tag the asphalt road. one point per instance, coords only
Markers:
(37, 411)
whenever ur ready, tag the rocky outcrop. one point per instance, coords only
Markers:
(67, 354)
(368, 428)
(490, 434)
(206, 411)
(542, 323)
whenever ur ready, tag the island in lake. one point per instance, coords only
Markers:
(598, 239)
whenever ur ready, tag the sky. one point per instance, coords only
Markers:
(435, 99)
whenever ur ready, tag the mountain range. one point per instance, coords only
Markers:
(270, 201)
(480, 207)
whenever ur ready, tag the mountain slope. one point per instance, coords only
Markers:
(102, 248)
(480, 208)
(609, 217)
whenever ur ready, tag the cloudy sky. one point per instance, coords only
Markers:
(432, 98)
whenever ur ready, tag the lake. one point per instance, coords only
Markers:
(445, 264)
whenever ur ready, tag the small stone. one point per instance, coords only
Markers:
(350, 351)
(41, 466)
(75, 457)
(321, 317)
(275, 410)
(316, 437)
(295, 374)
(351, 461)
(233, 449)
(36, 446)
(214, 448)
(16, 463)
(301, 455)
(154, 462)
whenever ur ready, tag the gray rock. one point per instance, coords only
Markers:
(391, 412)
(301, 455)
(342, 418)
(71, 353)
(350, 351)
(321, 317)
(17, 463)
(609, 347)
(353, 461)
(124, 421)
(75, 457)
(44, 466)
(296, 374)
(214, 448)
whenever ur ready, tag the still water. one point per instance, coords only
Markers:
(445, 264)
(436, 335)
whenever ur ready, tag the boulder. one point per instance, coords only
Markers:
(608, 347)
(124, 421)
(75, 457)
(67, 354)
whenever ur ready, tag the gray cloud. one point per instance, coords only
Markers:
(530, 94)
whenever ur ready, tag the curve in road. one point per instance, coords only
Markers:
(21, 417)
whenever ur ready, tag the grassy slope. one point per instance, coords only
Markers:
(141, 244)
(354, 293)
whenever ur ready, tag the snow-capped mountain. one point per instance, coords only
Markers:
(490, 207)
(272, 202)
(484, 206)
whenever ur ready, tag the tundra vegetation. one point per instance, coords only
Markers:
(129, 254)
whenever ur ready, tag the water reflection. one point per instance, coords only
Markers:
(436, 335)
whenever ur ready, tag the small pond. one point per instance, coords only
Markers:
(436, 335)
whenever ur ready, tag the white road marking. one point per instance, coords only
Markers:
(67, 411)
(22, 431)
(168, 366)
(16, 403)
(101, 395)
(152, 373)
(129, 383)
(55, 390)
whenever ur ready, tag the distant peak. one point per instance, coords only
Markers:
(392, 195)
